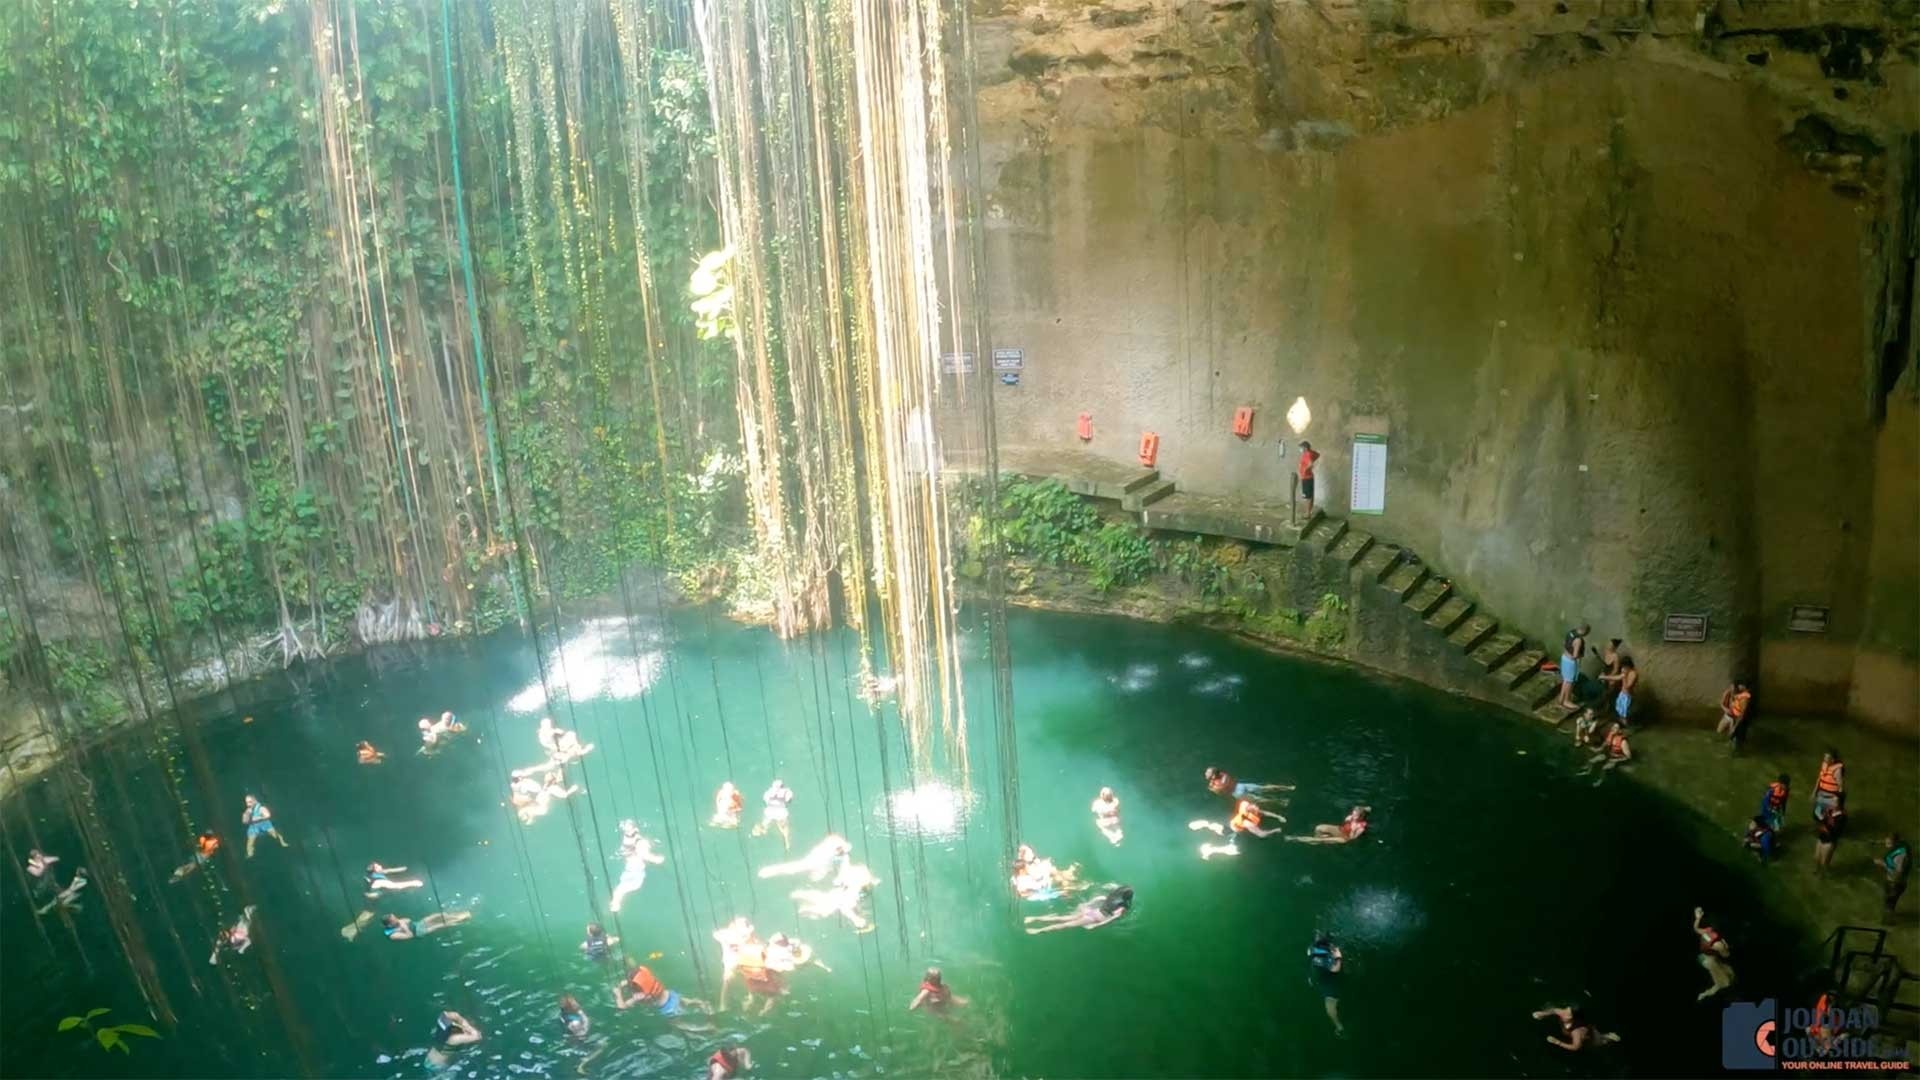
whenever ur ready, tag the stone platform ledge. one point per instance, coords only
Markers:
(1082, 472)
(1219, 515)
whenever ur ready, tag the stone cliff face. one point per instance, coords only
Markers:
(1626, 286)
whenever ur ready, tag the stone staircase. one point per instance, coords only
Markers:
(1507, 657)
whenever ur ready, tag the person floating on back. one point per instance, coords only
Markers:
(1576, 1033)
(1246, 819)
(1349, 830)
(397, 928)
(1222, 782)
(379, 881)
(1092, 915)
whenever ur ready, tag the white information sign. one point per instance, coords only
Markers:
(1009, 359)
(957, 363)
(1369, 495)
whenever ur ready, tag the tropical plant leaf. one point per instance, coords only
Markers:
(91, 1013)
(70, 1023)
(137, 1029)
(107, 1038)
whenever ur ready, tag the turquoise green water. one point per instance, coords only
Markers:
(1494, 881)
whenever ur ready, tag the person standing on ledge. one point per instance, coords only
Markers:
(1734, 702)
(1308, 457)
(1827, 830)
(1830, 790)
(1572, 651)
(1898, 862)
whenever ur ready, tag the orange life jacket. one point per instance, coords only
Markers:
(1776, 795)
(207, 845)
(1617, 744)
(1737, 707)
(937, 993)
(1830, 778)
(645, 984)
(721, 1058)
(737, 802)
(1245, 816)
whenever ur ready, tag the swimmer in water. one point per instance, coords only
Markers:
(1246, 819)
(740, 949)
(637, 851)
(364, 752)
(935, 995)
(238, 938)
(643, 988)
(451, 1031)
(1575, 1032)
(728, 1062)
(1714, 955)
(1106, 816)
(1222, 782)
(826, 857)
(573, 1018)
(397, 928)
(1036, 878)
(1614, 752)
(259, 821)
(599, 944)
(1092, 915)
(379, 882)
(562, 746)
(1353, 828)
(1325, 961)
(45, 888)
(533, 798)
(850, 888)
(435, 734)
(774, 814)
(876, 688)
(728, 804)
(204, 847)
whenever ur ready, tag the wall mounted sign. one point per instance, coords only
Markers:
(1009, 359)
(1009, 378)
(1685, 628)
(1807, 619)
(957, 363)
(1369, 494)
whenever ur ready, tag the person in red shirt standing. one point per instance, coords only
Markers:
(1308, 457)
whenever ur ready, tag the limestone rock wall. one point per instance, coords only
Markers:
(1620, 282)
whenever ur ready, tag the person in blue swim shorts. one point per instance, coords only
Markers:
(259, 821)
(1572, 651)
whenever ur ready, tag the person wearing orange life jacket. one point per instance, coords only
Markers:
(728, 1062)
(1614, 752)
(1734, 702)
(1714, 953)
(1831, 788)
(728, 804)
(935, 994)
(1773, 801)
(1827, 1022)
(1246, 819)
(1349, 830)
(204, 847)
(648, 990)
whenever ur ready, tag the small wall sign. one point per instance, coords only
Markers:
(1685, 628)
(1807, 619)
(1369, 489)
(957, 363)
(1009, 359)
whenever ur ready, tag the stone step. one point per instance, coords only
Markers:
(1319, 521)
(1469, 634)
(1549, 713)
(1430, 595)
(1538, 689)
(1405, 578)
(1453, 611)
(1520, 667)
(1497, 650)
(1146, 495)
(1331, 534)
(1379, 562)
(1135, 483)
(1352, 547)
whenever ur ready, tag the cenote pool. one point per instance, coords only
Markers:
(1494, 880)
